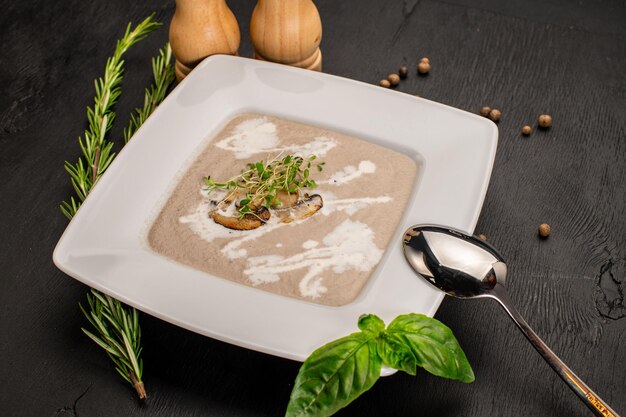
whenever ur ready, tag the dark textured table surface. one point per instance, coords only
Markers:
(564, 58)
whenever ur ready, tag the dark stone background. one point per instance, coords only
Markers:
(566, 58)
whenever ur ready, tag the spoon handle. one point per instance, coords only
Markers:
(590, 398)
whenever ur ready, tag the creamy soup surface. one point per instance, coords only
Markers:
(326, 258)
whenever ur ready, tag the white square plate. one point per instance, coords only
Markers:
(105, 245)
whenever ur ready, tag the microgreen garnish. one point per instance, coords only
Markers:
(340, 371)
(264, 180)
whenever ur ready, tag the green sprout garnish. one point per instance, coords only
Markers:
(264, 180)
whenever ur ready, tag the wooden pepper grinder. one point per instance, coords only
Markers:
(201, 28)
(288, 32)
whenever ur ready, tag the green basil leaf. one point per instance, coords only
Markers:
(434, 346)
(371, 323)
(334, 375)
(396, 353)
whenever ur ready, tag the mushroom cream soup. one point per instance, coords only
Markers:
(326, 258)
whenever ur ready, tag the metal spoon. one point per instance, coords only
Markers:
(466, 267)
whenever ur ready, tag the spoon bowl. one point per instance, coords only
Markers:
(464, 266)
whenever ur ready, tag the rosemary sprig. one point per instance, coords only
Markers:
(119, 335)
(96, 150)
(117, 326)
(264, 180)
(163, 72)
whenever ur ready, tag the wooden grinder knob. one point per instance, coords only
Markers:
(201, 28)
(288, 32)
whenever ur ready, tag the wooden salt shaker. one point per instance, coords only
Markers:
(288, 32)
(201, 28)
